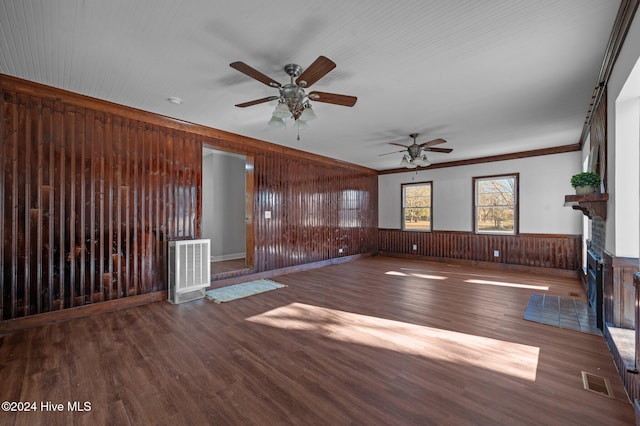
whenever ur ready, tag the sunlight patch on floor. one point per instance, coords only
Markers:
(503, 357)
(429, 277)
(505, 284)
(411, 274)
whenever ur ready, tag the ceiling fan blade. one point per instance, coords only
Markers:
(394, 152)
(398, 144)
(433, 142)
(318, 69)
(254, 73)
(332, 98)
(258, 101)
(444, 150)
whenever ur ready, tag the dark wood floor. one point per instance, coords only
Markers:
(377, 341)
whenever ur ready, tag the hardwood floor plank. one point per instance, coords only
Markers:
(374, 341)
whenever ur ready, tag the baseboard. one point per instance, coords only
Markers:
(490, 265)
(232, 256)
(19, 324)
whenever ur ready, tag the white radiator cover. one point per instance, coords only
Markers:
(189, 269)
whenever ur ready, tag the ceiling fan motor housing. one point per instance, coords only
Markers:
(294, 97)
(292, 91)
(414, 150)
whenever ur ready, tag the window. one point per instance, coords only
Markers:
(496, 204)
(416, 206)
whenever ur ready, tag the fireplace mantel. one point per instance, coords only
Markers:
(589, 204)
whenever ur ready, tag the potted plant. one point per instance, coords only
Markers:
(585, 182)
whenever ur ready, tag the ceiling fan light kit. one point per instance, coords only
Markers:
(307, 114)
(275, 122)
(282, 111)
(293, 101)
(413, 163)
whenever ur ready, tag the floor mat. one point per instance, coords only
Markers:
(238, 291)
(563, 312)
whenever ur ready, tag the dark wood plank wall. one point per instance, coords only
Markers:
(315, 211)
(88, 200)
(91, 192)
(537, 250)
(628, 374)
(618, 292)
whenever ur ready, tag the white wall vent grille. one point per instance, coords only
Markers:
(189, 269)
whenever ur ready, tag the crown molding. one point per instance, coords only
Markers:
(491, 158)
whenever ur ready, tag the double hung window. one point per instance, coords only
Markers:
(416, 206)
(496, 204)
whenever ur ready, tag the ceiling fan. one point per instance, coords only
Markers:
(415, 157)
(293, 101)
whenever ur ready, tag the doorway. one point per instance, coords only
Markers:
(227, 188)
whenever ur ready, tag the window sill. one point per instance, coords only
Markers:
(591, 205)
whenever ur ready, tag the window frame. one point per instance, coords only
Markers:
(516, 207)
(402, 206)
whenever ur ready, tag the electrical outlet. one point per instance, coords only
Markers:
(415, 247)
(339, 251)
(267, 214)
(496, 253)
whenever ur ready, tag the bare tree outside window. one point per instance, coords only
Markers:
(496, 200)
(416, 206)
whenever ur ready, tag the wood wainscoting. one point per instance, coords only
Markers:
(552, 251)
(624, 346)
(619, 293)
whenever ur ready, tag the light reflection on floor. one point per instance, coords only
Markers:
(426, 276)
(507, 284)
(513, 359)
(470, 281)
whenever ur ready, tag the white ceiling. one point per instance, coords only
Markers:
(491, 77)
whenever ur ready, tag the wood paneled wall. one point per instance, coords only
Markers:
(619, 293)
(538, 250)
(88, 200)
(314, 209)
(628, 373)
(91, 192)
